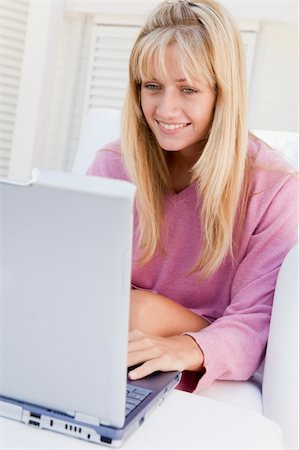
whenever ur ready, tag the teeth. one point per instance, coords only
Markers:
(172, 126)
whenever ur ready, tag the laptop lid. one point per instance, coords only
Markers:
(65, 269)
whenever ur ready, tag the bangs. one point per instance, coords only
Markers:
(190, 49)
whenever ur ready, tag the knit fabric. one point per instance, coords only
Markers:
(237, 298)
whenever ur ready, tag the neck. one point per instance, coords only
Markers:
(179, 167)
(180, 164)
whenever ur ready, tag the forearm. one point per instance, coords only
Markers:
(157, 315)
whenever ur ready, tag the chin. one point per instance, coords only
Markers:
(170, 146)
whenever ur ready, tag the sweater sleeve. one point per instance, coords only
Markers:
(234, 345)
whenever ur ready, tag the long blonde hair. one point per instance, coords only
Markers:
(209, 45)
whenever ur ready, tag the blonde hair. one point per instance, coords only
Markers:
(209, 46)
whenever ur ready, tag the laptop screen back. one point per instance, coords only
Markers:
(65, 267)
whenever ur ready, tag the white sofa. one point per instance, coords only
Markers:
(273, 390)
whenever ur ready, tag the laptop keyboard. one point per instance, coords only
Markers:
(135, 395)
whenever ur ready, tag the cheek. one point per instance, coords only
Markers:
(207, 112)
(210, 115)
(147, 110)
(148, 104)
(212, 106)
(144, 102)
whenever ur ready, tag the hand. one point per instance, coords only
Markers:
(162, 353)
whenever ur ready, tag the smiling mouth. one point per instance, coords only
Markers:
(172, 126)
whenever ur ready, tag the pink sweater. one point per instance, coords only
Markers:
(235, 299)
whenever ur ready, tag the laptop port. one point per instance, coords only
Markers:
(34, 423)
(106, 440)
(141, 421)
(35, 415)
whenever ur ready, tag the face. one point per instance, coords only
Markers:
(178, 113)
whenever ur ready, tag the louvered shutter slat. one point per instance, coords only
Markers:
(11, 90)
(108, 65)
(12, 16)
(5, 117)
(106, 72)
(20, 6)
(8, 109)
(109, 83)
(10, 71)
(19, 26)
(117, 63)
(107, 93)
(13, 19)
(10, 52)
(104, 47)
(9, 39)
(10, 63)
(6, 128)
(5, 148)
(105, 103)
(12, 83)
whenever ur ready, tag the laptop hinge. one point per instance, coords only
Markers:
(92, 420)
(10, 411)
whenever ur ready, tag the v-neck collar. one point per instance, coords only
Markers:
(183, 193)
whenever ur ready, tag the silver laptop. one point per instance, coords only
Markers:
(65, 269)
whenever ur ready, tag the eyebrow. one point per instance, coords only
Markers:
(180, 80)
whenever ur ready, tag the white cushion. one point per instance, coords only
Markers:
(286, 142)
(280, 381)
(246, 394)
(101, 126)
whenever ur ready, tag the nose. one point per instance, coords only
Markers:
(168, 105)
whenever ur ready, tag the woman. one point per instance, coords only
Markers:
(215, 208)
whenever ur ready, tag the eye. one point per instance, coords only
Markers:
(189, 90)
(152, 86)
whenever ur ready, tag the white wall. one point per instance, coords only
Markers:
(280, 10)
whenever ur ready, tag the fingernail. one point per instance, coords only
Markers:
(132, 375)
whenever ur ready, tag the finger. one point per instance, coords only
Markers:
(135, 335)
(143, 343)
(141, 356)
(145, 369)
(164, 363)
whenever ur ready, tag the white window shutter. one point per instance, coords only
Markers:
(108, 66)
(13, 19)
(103, 75)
